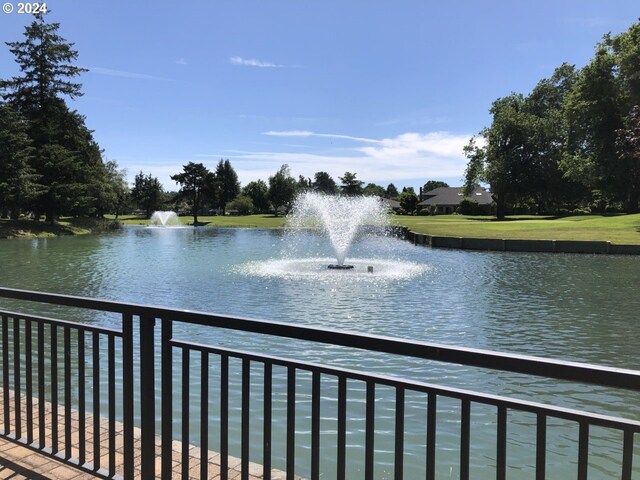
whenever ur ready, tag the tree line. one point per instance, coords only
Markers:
(203, 191)
(573, 143)
(52, 166)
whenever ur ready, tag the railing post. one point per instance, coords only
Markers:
(147, 398)
(127, 393)
(167, 398)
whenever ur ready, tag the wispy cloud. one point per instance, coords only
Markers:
(125, 74)
(181, 61)
(252, 62)
(305, 133)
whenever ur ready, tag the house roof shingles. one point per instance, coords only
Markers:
(453, 195)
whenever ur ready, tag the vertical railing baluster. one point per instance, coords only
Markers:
(291, 422)
(67, 391)
(128, 395)
(315, 426)
(431, 436)
(111, 369)
(465, 433)
(501, 444)
(16, 379)
(399, 434)
(245, 419)
(29, 379)
(204, 415)
(266, 441)
(95, 353)
(41, 388)
(5, 375)
(166, 352)
(583, 450)
(627, 455)
(185, 412)
(369, 429)
(541, 446)
(82, 400)
(224, 417)
(54, 388)
(147, 397)
(342, 428)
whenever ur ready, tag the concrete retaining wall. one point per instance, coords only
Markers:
(624, 249)
(570, 246)
(547, 246)
(511, 245)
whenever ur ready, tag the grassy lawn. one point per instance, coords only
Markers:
(252, 221)
(621, 229)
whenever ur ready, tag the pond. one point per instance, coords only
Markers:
(571, 307)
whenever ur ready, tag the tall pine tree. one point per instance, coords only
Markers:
(66, 157)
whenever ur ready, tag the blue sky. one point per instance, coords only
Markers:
(391, 90)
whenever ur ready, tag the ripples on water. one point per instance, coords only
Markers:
(575, 307)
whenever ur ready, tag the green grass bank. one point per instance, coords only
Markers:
(618, 229)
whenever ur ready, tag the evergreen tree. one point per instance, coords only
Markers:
(66, 157)
(324, 183)
(392, 191)
(147, 193)
(228, 186)
(350, 184)
(18, 182)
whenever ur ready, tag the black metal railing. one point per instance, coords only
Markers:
(99, 398)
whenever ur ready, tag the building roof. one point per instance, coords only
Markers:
(391, 203)
(453, 196)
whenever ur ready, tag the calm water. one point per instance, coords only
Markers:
(574, 307)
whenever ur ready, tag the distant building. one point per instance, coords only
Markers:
(390, 204)
(446, 200)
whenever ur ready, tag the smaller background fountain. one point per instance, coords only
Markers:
(164, 219)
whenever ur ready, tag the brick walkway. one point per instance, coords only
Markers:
(18, 462)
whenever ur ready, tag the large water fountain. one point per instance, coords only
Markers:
(340, 218)
(349, 235)
(164, 219)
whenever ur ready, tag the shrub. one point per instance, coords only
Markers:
(242, 204)
(468, 206)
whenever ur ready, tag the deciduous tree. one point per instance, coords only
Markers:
(282, 189)
(195, 181)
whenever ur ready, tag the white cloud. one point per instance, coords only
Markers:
(181, 61)
(407, 159)
(252, 62)
(417, 156)
(123, 73)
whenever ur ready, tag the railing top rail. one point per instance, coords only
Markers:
(524, 364)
